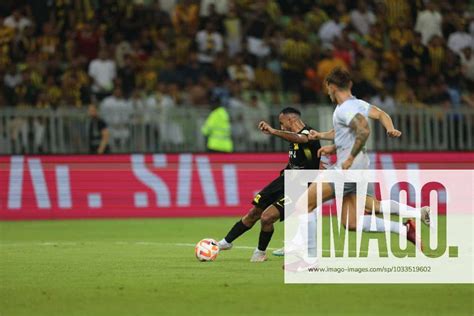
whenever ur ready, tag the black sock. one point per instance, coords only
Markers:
(264, 240)
(238, 229)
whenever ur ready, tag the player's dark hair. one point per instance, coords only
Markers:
(290, 110)
(339, 77)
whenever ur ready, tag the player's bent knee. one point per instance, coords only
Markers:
(268, 218)
(252, 216)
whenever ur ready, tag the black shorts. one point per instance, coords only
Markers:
(272, 194)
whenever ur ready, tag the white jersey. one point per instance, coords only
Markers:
(344, 137)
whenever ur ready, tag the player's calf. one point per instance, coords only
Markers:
(239, 228)
(349, 213)
(269, 216)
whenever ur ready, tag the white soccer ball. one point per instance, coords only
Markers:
(206, 250)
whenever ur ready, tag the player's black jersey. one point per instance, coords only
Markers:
(304, 155)
(301, 156)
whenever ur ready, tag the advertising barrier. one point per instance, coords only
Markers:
(161, 185)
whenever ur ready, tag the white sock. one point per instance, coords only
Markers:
(394, 207)
(381, 225)
(300, 236)
(312, 233)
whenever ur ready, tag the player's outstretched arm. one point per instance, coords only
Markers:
(289, 136)
(377, 114)
(327, 150)
(315, 135)
(360, 126)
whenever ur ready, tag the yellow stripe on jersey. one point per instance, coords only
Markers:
(257, 198)
(308, 154)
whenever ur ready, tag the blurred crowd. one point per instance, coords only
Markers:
(164, 53)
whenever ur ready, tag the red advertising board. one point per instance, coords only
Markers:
(159, 185)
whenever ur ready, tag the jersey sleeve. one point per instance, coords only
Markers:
(347, 114)
(305, 131)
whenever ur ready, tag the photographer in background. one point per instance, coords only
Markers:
(98, 132)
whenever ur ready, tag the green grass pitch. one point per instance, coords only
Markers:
(147, 267)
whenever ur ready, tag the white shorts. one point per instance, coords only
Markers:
(361, 162)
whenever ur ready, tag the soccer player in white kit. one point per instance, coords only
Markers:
(350, 133)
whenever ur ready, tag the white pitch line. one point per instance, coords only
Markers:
(234, 247)
(145, 243)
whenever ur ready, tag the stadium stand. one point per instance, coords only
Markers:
(137, 59)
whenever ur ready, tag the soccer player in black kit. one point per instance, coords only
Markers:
(269, 203)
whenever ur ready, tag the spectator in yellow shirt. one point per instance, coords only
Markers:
(327, 64)
(53, 92)
(395, 10)
(369, 67)
(315, 18)
(48, 43)
(295, 55)
(185, 16)
(437, 52)
(6, 36)
(393, 58)
(375, 37)
(402, 33)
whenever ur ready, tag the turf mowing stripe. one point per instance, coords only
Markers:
(144, 243)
